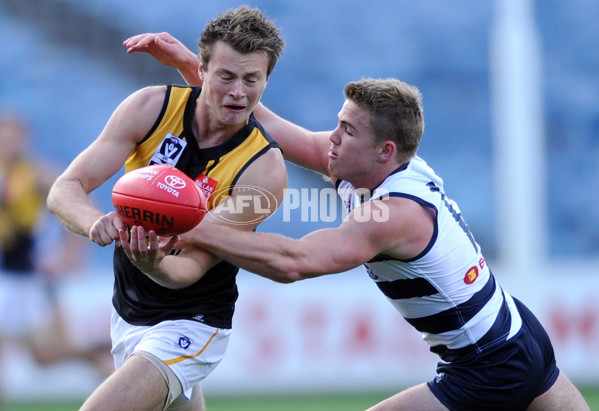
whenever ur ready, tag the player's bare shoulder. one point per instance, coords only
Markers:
(137, 114)
(147, 100)
(268, 172)
(258, 192)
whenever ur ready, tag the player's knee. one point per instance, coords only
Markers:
(562, 395)
(195, 403)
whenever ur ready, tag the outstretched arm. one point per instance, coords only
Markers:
(168, 51)
(366, 232)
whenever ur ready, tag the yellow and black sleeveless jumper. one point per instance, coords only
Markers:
(21, 206)
(211, 300)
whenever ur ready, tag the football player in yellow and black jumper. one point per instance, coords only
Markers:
(173, 311)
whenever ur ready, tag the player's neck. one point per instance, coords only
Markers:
(211, 133)
(375, 177)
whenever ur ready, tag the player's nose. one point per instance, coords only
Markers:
(334, 137)
(236, 91)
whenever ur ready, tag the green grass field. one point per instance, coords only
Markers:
(342, 402)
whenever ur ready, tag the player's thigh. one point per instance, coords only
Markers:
(135, 385)
(418, 397)
(562, 395)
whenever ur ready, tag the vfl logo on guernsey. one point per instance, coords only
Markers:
(169, 151)
(184, 342)
(471, 275)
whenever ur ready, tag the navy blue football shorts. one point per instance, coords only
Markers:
(508, 377)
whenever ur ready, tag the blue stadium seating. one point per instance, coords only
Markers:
(433, 45)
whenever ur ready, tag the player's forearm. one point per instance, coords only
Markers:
(189, 70)
(268, 255)
(74, 211)
(175, 272)
(169, 51)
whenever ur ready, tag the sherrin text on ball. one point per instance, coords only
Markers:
(160, 198)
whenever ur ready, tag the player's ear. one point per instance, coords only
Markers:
(201, 71)
(387, 151)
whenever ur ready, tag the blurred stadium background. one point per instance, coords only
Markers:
(511, 99)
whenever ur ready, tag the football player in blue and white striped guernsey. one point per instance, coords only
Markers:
(415, 245)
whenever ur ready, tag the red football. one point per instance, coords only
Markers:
(160, 198)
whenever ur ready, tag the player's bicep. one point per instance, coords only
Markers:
(199, 260)
(128, 124)
(300, 146)
(98, 162)
(334, 250)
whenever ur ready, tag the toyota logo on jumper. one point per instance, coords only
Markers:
(175, 182)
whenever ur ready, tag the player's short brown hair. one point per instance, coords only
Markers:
(395, 111)
(245, 29)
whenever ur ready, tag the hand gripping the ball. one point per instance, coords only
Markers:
(105, 229)
(145, 249)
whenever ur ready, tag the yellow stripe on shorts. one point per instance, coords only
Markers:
(186, 357)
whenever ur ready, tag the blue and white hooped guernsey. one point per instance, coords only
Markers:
(447, 292)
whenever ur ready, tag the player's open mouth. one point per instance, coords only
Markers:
(235, 107)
